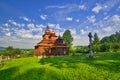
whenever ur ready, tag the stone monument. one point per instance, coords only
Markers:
(90, 45)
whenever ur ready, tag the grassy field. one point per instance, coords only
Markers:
(104, 66)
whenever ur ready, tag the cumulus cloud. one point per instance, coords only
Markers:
(77, 20)
(58, 26)
(108, 5)
(8, 34)
(106, 26)
(31, 26)
(91, 18)
(51, 25)
(118, 7)
(43, 17)
(116, 18)
(25, 19)
(69, 18)
(66, 9)
(107, 29)
(68, 6)
(97, 8)
(82, 7)
(6, 24)
(106, 17)
(15, 23)
(73, 31)
(82, 31)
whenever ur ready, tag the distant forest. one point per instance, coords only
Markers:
(106, 44)
(109, 43)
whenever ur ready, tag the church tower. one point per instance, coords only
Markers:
(50, 45)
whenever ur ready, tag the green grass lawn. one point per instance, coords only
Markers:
(103, 67)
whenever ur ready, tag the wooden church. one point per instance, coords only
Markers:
(51, 45)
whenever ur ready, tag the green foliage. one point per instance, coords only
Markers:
(82, 49)
(96, 39)
(9, 51)
(114, 38)
(107, 44)
(72, 51)
(14, 52)
(2, 52)
(27, 53)
(67, 38)
(111, 43)
(105, 66)
(96, 43)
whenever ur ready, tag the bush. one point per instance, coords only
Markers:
(82, 50)
(72, 51)
(27, 53)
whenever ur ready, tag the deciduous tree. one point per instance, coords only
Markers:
(67, 38)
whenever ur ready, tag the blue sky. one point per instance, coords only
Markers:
(22, 22)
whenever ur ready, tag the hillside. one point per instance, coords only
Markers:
(2, 48)
(113, 38)
(102, 67)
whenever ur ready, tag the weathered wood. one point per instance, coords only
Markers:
(51, 45)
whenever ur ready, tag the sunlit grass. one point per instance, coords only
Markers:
(103, 67)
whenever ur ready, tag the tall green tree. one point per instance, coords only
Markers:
(96, 39)
(96, 43)
(67, 38)
(9, 51)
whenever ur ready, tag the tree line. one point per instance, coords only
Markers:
(16, 52)
(107, 44)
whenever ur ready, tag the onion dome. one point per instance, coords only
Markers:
(52, 33)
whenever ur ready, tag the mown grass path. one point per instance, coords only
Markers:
(102, 67)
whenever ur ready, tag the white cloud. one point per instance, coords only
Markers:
(68, 6)
(8, 34)
(82, 31)
(51, 25)
(108, 5)
(69, 18)
(58, 26)
(40, 26)
(107, 29)
(6, 24)
(106, 18)
(7, 29)
(77, 20)
(116, 18)
(25, 18)
(118, 7)
(16, 42)
(73, 32)
(96, 31)
(87, 27)
(82, 7)
(43, 17)
(27, 34)
(61, 13)
(15, 23)
(31, 26)
(97, 8)
(91, 19)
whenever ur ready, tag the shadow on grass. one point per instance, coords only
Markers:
(62, 62)
(8, 74)
(40, 74)
(110, 63)
(32, 74)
